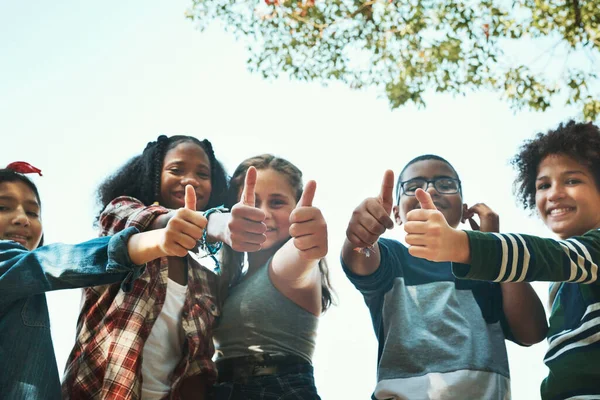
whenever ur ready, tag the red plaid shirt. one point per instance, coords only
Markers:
(113, 325)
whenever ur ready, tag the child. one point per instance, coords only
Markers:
(266, 336)
(27, 271)
(166, 319)
(439, 338)
(559, 175)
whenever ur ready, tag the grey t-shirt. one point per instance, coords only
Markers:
(439, 337)
(257, 318)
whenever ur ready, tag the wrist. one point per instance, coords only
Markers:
(216, 227)
(462, 251)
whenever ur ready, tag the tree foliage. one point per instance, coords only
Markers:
(406, 47)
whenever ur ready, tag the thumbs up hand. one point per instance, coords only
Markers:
(308, 228)
(372, 217)
(246, 228)
(184, 229)
(430, 236)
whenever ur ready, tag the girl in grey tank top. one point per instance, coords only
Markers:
(266, 336)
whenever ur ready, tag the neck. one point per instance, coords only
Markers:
(260, 258)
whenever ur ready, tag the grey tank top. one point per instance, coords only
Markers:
(257, 318)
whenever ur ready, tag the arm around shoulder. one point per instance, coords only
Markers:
(58, 266)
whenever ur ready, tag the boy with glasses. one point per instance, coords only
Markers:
(439, 337)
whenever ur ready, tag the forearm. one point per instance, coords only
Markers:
(290, 267)
(359, 263)
(60, 266)
(160, 221)
(516, 258)
(217, 227)
(144, 247)
(524, 312)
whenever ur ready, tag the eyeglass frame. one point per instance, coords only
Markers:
(428, 181)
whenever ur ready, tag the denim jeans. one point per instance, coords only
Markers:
(296, 383)
(28, 368)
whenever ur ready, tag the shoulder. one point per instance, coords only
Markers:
(9, 249)
(392, 245)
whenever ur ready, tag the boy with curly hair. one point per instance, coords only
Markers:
(559, 176)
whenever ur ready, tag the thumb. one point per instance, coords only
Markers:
(386, 195)
(308, 194)
(248, 197)
(425, 200)
(190, 198)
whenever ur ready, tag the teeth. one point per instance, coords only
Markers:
(557, 211)
(17, 237)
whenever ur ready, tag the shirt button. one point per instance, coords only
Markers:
(213, 307)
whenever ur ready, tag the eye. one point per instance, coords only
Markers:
(33, 214)
(175, 171)
(277, 203)
(412, 186)
(203, 175)
(572, 181)
(446, 184)
(543, 186)
(3, 208)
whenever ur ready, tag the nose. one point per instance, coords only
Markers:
(266, 210)
(430, 188)
(556, 192)
(190, 179)
(21, 218)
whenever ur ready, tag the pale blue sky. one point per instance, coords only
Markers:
(86, 85)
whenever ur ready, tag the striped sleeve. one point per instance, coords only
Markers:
(510, 257)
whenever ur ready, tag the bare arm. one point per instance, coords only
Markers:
(181, 233)
(369, 221)
(294, 269)
(524, 312)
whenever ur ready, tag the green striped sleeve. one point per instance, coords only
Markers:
(510, 257)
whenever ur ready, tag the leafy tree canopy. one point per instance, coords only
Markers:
(406, 47)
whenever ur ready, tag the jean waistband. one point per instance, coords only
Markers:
(242, 368)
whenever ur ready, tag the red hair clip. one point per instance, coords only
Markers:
(24, 168)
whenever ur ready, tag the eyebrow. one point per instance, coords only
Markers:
(434, 177)
(572, 172)
(28, 202)
(183, 162)
(279, 195)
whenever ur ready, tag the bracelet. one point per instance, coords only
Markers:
(212, 248)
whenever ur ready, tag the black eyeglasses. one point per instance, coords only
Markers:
(442, 185)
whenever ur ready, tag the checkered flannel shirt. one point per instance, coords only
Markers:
(113, 325)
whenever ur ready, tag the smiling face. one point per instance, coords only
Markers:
(185, 164)
(276, 197)
(19, 214)
(450, 205)
(566, 196)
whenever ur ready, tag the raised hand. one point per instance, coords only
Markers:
(184, 229)
(308, 228)
(488, 219)
(430, 236)
(372, 217)
(246, 228)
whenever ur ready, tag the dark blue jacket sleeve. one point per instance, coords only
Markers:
(100, 261)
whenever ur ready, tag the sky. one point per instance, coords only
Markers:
(85, 85)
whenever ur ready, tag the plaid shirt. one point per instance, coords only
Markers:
(113, 325)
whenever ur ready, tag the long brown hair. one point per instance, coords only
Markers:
(232, 260)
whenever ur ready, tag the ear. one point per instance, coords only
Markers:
(396, 211)
(465, 207)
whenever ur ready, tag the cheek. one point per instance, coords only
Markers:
(283, 217)
(539, 203)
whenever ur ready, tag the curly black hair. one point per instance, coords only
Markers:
(8, 175)
(140, 176)
(580, 141)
